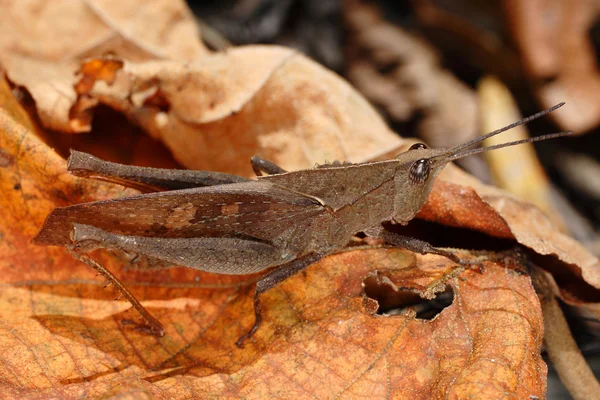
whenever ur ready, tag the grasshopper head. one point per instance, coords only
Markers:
(418, 167)
(416, 171)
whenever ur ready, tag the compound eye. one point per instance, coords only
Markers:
(419, 171)
(418, 146)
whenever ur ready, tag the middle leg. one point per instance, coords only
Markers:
(271, 280)
(260, 165)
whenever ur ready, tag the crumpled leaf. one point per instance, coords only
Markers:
(66, 331)
(204, 108)
(45, 58)
(196, 103)
(458, 199)
(63, 335)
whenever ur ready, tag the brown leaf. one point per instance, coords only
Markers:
(189, 105)
(279, 99)
(44, 57)
(458, 199)
(319, 337)
(66, 332)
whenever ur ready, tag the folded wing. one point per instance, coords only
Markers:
(255, 210)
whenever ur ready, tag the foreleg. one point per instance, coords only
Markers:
(416, 245)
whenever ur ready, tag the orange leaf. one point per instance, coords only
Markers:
(320, 336)
(66, 335)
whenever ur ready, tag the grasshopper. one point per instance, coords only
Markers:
(281, 222)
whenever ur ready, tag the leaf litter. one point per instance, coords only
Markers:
(62, 332)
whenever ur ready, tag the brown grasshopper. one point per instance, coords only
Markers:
(227, 224)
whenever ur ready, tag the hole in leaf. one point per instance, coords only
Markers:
(394, 301)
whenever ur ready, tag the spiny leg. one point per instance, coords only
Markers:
(260, 165)
(153, 326)
(270, 280)
(145, 179)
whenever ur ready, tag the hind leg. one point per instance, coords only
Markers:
(217, 255)
(145, 179)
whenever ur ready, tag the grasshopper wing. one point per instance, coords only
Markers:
(252, 210)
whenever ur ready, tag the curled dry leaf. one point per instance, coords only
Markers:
(43, 57)
(219, 112)
(197, 104)
(458, 199)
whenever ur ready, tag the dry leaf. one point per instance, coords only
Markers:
(44, 56)
(250, 100)
(320, 337)
(66, 338)
(198, 108)
(458, 199)
(66, 332)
